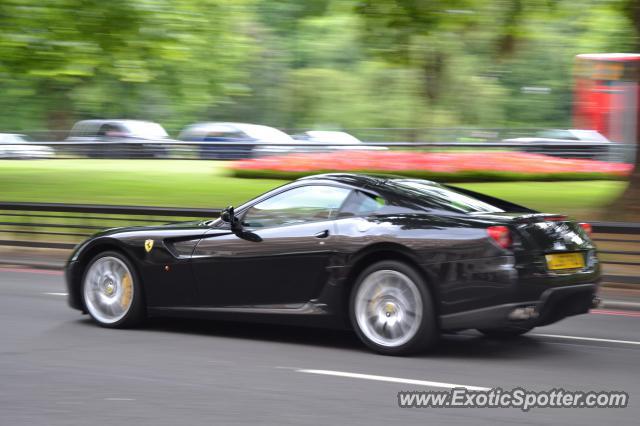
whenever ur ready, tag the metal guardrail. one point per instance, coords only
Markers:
(231, 150)
(109, 209)
(62, 226)
(372, 134)
(615, 228)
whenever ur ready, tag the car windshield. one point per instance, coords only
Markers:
(437, 196)
(146, 129)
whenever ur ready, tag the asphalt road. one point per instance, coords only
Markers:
(57, 368)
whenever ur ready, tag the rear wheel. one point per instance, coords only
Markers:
(391, 309)
(505, 332)
(111, 291)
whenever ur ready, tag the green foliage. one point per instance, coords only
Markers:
(159, 59)
(301, 64)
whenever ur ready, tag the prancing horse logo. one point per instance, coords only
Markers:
(148, 245)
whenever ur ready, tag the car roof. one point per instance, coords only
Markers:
(332, 135)
(5, 137)
(239, 125)
(101, 121)
(356, 179)
(610, 56)
(113, 120)
(255, 131)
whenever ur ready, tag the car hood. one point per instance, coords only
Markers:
(196, 225)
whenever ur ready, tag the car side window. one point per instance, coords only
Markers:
(298, 205)
(105, 129)
(361, 204)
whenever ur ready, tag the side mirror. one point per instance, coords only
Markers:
(228, 215)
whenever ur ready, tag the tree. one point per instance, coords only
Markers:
(627, 207)
(137, 59)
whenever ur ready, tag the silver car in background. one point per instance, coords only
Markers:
(18, 146)
(232, 141)
(338, 140)
(120, 139)
(562, 135)
(569, 143)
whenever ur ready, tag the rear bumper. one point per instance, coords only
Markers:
(553, 305)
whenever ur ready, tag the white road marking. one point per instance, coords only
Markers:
(57, 294)
(587, 339)
(119, 399)
(391, 379)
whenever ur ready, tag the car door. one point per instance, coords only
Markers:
(281, 255)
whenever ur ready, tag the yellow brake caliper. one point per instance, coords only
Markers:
(127, 291)
(374, 299)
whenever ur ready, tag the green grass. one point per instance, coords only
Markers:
(587, 200)
(208, 184)
(127, 182)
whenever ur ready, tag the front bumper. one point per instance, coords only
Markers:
(71, 272)
(553, 305)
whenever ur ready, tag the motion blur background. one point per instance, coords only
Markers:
(302, 64)
(479, 93)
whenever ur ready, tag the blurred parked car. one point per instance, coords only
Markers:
(342, 141)
(558, 143)
(13, 145)
(561, 135)
(120, 138)
(241, 139)
(327, 136)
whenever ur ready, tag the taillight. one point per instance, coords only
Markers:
(500, 235)
(586, 227)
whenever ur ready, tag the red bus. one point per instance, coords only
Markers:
(607, 95)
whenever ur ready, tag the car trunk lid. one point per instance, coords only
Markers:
(542, 232)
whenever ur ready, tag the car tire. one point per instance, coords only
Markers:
(505, 333)
(112, 292)
(391, 309)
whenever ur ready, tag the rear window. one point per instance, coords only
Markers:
(436, 196)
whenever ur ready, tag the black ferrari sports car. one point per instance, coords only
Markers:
(398, 260)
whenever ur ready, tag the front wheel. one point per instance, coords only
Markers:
(111, 291)
(392, 310)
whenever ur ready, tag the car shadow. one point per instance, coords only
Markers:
(257, 331)
(467, 344)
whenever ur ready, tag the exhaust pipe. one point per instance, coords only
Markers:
(523, 313)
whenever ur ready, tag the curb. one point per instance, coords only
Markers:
(52, 266)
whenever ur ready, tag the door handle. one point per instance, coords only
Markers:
(322, 234)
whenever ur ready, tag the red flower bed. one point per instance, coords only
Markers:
(450, 166)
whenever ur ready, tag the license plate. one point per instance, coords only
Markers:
(565, 261)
